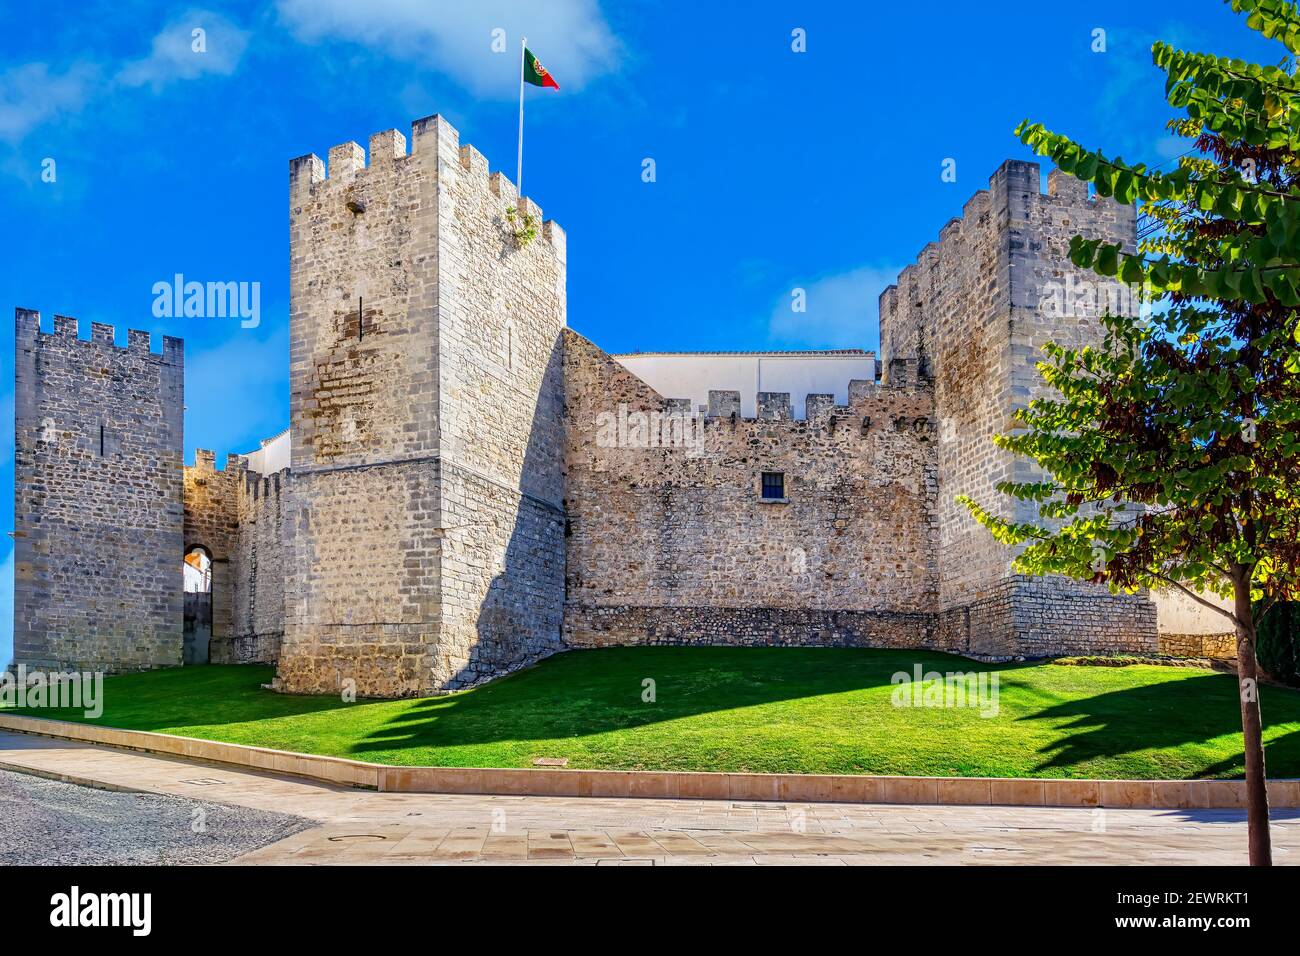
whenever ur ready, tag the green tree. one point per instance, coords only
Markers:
(1171, 453)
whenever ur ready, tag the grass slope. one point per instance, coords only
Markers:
(743, 709)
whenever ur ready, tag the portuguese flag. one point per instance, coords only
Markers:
(535, 73)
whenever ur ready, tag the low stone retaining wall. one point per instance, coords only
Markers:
(625, 625)
(1221, 647)
(802, 788)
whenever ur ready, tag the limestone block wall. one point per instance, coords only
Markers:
(211, 522)
(975, 309)
(675, 545)
(98, 498)
(500, 315)
(257, 606)
(1189, 629)
(502, 578)
(363, 387)
(423, 355)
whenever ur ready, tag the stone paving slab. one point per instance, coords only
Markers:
(367, 827)
(689, 785)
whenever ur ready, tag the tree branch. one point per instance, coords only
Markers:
(1197, 598)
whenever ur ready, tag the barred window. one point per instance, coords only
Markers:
(773, 484)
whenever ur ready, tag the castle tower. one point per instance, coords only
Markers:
(425, 546)
(97, 498)
(978, 306)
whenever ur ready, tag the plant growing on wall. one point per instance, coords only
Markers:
(523, 228)
(1172, 453)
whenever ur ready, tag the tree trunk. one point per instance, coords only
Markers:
(1260, 841)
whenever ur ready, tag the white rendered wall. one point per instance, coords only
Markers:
(693, 375)
(272, 456)
(1176, 613)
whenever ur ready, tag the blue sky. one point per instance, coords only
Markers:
(774, 169)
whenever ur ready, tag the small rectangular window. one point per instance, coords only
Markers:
(773, 484)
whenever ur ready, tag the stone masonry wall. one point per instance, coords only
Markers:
(675, 545)
(500, 314)
(361, 549)
(98, 498)
(973, 309)
(406, 287)
(1214, 646)
(257, 613)
(211, 522)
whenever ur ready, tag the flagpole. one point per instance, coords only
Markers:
(519, 170)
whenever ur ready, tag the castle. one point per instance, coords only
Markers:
(468, 486)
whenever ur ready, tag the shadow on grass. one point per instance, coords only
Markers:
(213, 695)
(569, 694)
(1167, 715)
(1193, 719)
(566, 696)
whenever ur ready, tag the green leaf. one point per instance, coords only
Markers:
(1107, 263)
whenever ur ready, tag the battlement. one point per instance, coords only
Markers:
(28, 333)
(1014, 191)
(435, 144)
(206, 461)
(903, 380)
(266, 486)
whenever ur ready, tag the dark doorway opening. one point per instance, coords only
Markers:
(197, 572)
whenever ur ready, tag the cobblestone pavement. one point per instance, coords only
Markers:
(50, 822)
(358, 826)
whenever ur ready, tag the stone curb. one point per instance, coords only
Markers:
(78, 779)
(802, 788)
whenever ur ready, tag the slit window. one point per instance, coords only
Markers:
(773, 485)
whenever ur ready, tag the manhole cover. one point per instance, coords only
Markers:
(356, 836)
(623, 861)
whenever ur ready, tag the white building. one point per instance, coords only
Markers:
(272, 456)
(693, 374)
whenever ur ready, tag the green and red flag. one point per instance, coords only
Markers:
(535, 73)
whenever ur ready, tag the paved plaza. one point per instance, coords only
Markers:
(359, 826)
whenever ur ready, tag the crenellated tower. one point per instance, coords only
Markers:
(97, 498)
(424, 532)
(976, 308)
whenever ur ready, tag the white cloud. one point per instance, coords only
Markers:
(32, 94)
(1123, 84)
(570, 37)
(178, 54)
(842, 310)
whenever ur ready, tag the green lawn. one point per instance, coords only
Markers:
(744, 709)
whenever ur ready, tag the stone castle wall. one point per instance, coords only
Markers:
(362, 549)
(212, 523)
(500, 314)
(675, 544)
(98, 500)
(423, 546)
(257, 602)
(457, 505)
(977, 307)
